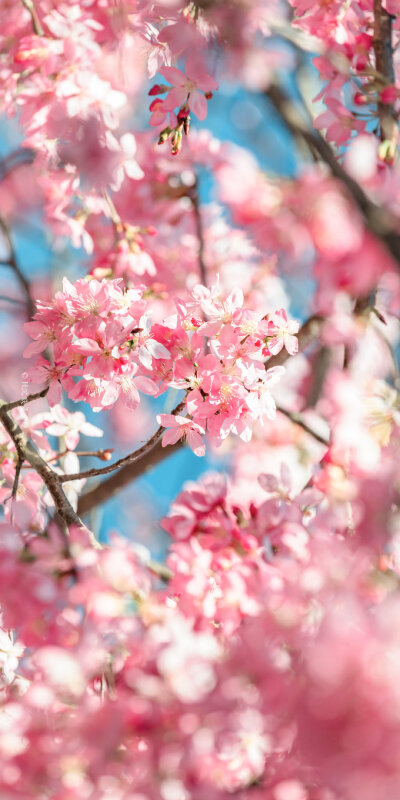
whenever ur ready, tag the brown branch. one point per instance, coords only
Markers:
(16, 159)
(193, 195)
(24, 400)
(13, 263)
(137, 455)
(20, 461)
(161, 570)
(319, 370)
(297, 419)
(111, 486)
(35, 19)
(381, 222)
(26, 451)
(383, 49)
(104, 455)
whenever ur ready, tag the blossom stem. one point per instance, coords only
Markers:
(35, 19)
(24, 400)
(193, 195)
(380, 221)
(27, 452)
(137, 455)
(13, 263)
(383, 49)
(298, 420)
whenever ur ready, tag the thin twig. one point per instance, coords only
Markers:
(20, 461)
(193, 195)
(28, 452)
(102, 454)
(319, 370)
(161, 570)
(381, 222)
(24, 400)
(138, 454)
(108, 488)
(297, 419)
(383, 49)
(16, 159)
(36, 25)
(13, 300)
(13, 263)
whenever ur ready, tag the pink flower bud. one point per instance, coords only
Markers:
(389, 94)
(158, 88)
(360, 99)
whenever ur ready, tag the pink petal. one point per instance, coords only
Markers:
(167, 420)
(268, 482)
(291, 345)
(34, 348)
(176, 97)
(275, 345)
(198, 104)
(54, 393)
(87, 347)
(174, 76)
(171, 436)
(196, 443)
(71, 439)
(157, 349)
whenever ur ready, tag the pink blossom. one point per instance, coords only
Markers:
(281, 333)
(180, 427)
(189, 86)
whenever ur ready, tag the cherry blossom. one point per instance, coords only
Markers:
(259, 656)
(188, 86)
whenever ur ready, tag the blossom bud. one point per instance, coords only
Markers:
(158, 88)
(208, 95)
(389, 94)
(105, 455)
(176, 142)
(360, 99)
(183, 112)
(164, 135)
(158, 287)
(387, 151)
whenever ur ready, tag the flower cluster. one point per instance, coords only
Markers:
(105, 347)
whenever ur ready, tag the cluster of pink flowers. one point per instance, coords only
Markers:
(230, 680)
(348, 62)
(261, 660)
(105, 347)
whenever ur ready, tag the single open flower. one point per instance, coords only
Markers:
(180, 427)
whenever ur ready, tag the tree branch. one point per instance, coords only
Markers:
(16, 159)
(24, 400)
(111, 486)
(297, 419)
(193, 195)
(35, 19)
(26, 451)
(137, 455)
(381, 222)
(13, 263)
(383, 48)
